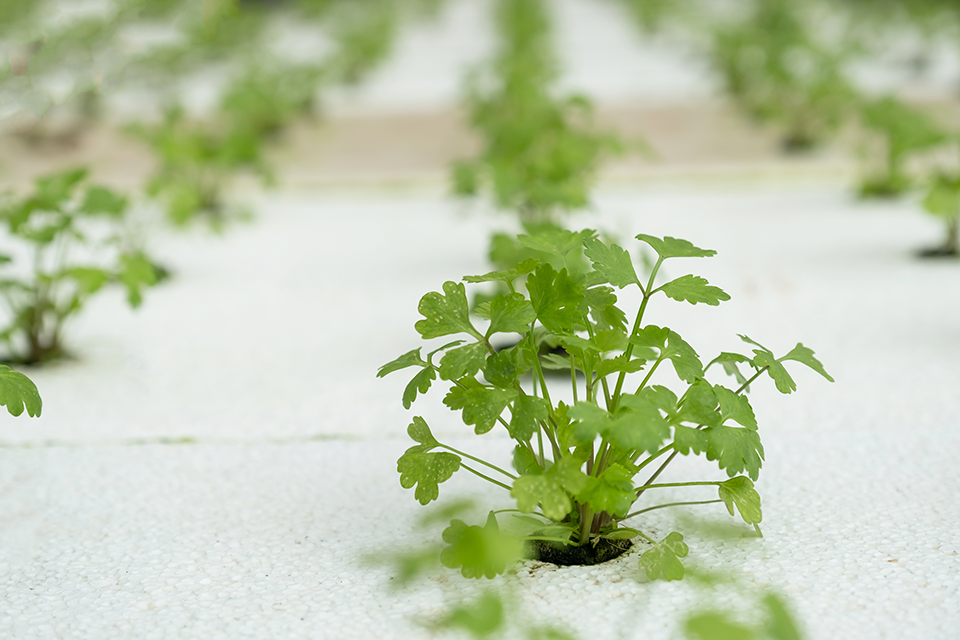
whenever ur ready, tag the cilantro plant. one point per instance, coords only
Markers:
(194, 163)
(540, 152)
(265, 99)
(902, 131)
(17, 392)
(73, 242)
(585, 465)
(773, 65)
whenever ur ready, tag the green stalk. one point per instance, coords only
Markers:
(669, 504)
(699, 483)
(487, 478)
(646, 379)
(647, 292)
(573, 377)
(483, 462)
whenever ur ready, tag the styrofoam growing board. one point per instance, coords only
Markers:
(269, 337)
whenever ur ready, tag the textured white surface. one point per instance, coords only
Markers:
(256, 348)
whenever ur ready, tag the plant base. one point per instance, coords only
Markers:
(568, 555)
(939, 252)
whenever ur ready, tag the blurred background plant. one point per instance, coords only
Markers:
(73, 244)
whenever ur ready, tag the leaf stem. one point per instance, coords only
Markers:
(487, 478)
(699, 483)
(754, 377)
(669, 504)
(573, 376)
(483, 462)
(646, 379)
(636, 327)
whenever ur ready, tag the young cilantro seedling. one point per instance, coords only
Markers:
(55, 223)
(576, 463)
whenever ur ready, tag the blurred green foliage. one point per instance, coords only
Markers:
(194, 163)
(73, 242)
(540, 152)
(942, 200)
(772, 63)
(902, 131)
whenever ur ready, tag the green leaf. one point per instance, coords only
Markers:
(89, 280)
(638, 426)
(524, 462)
(481, 618)
(481, 405)
(664, 558)
(699, 405)
(17, 392)
(736, 450)
(57, 187)
(782, 379)
(694, 289)
(612, 491)
(545, 490)
(507, 276)
(739, 491)
(136, 272)
(555, 241)
(419, 431)
(510, 313)
(716, 626)
(570, 473)
(651, 336)
(729, 363)
(409, 359)
(618, 364)
(102, 200)
(420, 383)
(660, 397)
(502, 368)
(602, 305)
(591, 421)
(735, 407)
(804, 355)
(763, 357)
(426, 471)
(527, 413)
(556, 297)
(478, 551)
(463, 361)
(613, 263)
(445, 314)
(780, 624)
(687, 439)
(623, 533)
(943, 198)
(675, 248)
(685, 360)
